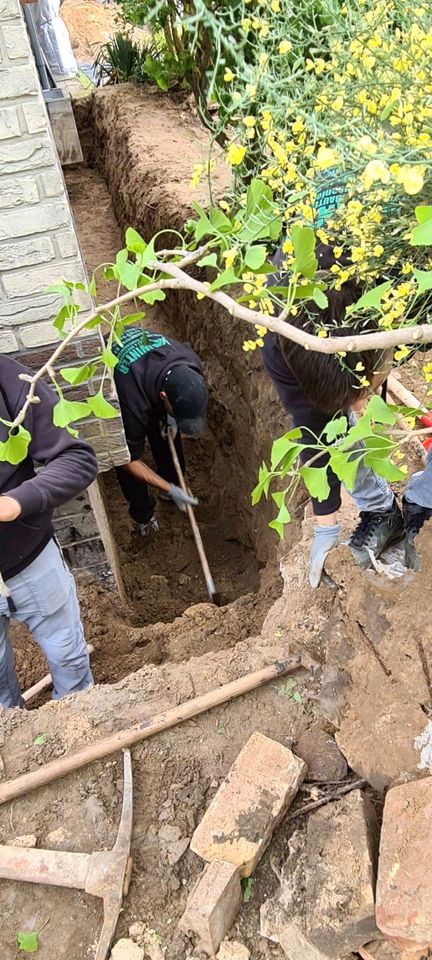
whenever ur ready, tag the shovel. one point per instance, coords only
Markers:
(211, 589)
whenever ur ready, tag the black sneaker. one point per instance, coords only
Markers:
(376, 531)
(414, 518)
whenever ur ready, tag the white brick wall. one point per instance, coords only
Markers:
(37, 236)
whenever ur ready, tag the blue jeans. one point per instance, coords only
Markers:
(44, 597)
(419, 489)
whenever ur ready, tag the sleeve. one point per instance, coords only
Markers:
(135, 428)
(303, 414)
(69, 465)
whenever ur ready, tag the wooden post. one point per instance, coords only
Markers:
(103, 524)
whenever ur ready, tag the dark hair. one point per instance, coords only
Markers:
(329, 381)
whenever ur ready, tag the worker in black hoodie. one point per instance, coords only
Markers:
(160, 386)
(36, 587)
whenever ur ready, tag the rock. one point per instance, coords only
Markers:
(335, 685)
(288, 904)
(233, 950)
(404, 888)
(384, 950)
(249, 805)
(321, 755)
(137, 930)
(176, 850)
(295, 945)
(340, 908)
(213, 904)
(56, 839)
(25, 840)
(2, 768)
(169, 834)
(127, 950)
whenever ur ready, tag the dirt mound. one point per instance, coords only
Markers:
(89, 24)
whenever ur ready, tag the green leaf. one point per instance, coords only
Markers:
(76, 375)
(247, 888)
(65, 314)
(375, 447)
(91, 288)
(297, 697)
(389, 107)
(134, 241)
(69, 411)
(359, 431)
(316, 482)
(125, 271)
(202, 227)
(40, 739)
(95, 322)
(108, 273)
(320, 298)
(262, 487)
(371, 299)
(15, 449)
(255, 256)
(385, 468)
(152, 296)
(131, 318)
(423, 213)
(28, 942)
(378, 410)
(219, 221)
(63, 289)
(424, 280)
(209, 261)
(284, 445)
(345, 466)
(421, 236)
(147, 255)
(109, 358)
(224, 279)
(303, 241)
(257, 193)
(336, 428)
(101, 407)
(279, 527)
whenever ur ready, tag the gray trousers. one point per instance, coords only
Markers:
(44, 597)
(372, 493)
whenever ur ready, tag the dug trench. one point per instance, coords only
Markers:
(371, 690)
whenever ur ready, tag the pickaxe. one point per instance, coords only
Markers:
(105, 874)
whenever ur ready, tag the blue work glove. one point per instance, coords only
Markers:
(181, 500)
(168, 424)
(324, 539)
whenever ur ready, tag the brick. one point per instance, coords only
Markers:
(67, 244)
(340, 908)
(37, 334)
(321, 755)
(25, 282)
(26, 155)
(248, 806)
(404, 889)
(41, 219)
(296, 946)
(16, 41)
(213, 904)
(35, 117)
(9, 9)
(17, 81)
(8, 342)
(22, 253)
(9, 123)
(52, 183)
(19, 313)
(13, 193)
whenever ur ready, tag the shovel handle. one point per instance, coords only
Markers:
(211, 589)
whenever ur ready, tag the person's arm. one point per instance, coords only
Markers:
(69, 465)
(144, 473)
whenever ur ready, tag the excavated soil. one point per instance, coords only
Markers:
(371, 637)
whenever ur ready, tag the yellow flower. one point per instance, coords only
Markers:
(366, 145)
(246, 23)
(235, 154)
(374, 171)
(197, 173)
(229, 256)
(249, 121)
(285, 46)
(401, 352)
(261, 331)
(326, 158)
(403, 468)
(359, 366)
(412, 179)
(251, 89)
(298, 125)
(224, 206)
(338, 103)
(378, 250)
(322, 333)
(287, 247)
(275, 5)
(228, 75)
(342, 353)
(364, 382)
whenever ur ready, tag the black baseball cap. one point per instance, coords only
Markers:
(188, 396)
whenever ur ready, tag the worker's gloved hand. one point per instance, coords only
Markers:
(168, 425)
(324, 539)
(181, 500)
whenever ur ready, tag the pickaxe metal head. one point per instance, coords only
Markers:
(104, 874)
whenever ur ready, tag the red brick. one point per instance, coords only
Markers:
(213, 905)
(404, 889)
(248, 806)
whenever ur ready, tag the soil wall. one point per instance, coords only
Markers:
(146, 146)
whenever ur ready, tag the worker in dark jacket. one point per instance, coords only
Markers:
(160, 386)
(36, 587)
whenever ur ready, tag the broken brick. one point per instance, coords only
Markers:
(404, 889)
(340, 909)
(295, 945)
(250, 803)
(213, 904)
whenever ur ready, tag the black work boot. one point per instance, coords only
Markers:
(414, 518)
(376, 531)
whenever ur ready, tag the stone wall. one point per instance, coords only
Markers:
(39, 247)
